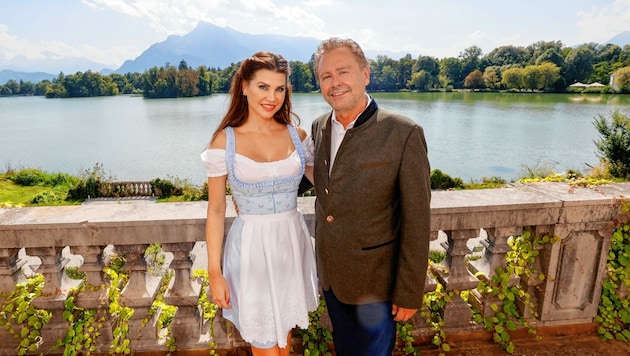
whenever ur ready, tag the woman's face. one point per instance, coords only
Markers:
(265, 93)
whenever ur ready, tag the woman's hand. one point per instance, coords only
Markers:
(220, 292)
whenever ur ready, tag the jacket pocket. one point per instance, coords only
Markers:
(375, 164)
(379, 245)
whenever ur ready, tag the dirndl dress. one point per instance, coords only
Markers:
(268, 258)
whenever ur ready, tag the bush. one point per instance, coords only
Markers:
(164, 187)
(89, 184)
(443, 181)
(614, 144)
(28, 177)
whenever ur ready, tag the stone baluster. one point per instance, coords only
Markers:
(52, 268)
(95, 294)
(93, 265)
(138, 296)
(185, 325)
(495, 249)
(535, 286)
(9, 266)
(457, 276)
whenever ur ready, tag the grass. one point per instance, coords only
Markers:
(33, 187)
(12, 194)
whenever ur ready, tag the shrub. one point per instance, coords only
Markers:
(28, 177)
(164, 187)
(89, 184)
(614, 144)
(443, 181)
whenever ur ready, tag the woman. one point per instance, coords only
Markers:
(268, 282)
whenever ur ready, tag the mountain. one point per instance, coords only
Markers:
(33, 77)
(217, 47)
(621, 39)
(67, 65)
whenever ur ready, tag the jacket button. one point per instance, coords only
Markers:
(326, 190)
(330, 218)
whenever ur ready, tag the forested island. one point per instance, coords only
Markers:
(544, 66)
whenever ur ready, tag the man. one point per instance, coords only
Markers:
(372, 208)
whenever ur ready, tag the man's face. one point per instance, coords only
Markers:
(343, 81)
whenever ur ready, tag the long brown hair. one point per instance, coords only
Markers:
(237, 112)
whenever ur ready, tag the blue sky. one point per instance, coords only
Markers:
(112, 31)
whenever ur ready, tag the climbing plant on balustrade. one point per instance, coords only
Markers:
(20, 318)
(614, 310)
(508, 315)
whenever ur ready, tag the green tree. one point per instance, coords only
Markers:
(470, 59)
(13, 86)
(421, 80)
(531, 78)
(549, 75)
(513, 78)
(451, 72)
(621, 80)
(205, 81)
(405, 68)
(508, 55)
(544, 48)
(579, 63)
(301, 77)
(26, 88)
(614, 143)
(492, 77)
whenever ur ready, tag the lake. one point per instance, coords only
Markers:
(469, 135)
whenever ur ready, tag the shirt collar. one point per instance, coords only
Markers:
(351, 125)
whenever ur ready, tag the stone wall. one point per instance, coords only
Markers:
(48, 240)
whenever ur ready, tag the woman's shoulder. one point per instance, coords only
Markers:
(218, 141)
(301, 132)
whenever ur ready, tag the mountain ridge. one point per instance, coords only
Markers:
(214, 47)
(217, 47)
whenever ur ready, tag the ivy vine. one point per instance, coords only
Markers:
(207, 308)
(21, 318)
(316, 338)
(120, 314)
(614, 310)
(507, 313)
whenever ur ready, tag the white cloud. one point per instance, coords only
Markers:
(111, 31)
(604, 22)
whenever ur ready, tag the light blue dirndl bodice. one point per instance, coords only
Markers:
(269, 196)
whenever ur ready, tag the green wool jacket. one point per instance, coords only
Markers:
(372, 225)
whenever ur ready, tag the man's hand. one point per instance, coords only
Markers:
(402, 314)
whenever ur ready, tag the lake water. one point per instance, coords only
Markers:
(469, 135)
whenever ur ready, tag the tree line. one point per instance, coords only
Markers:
(544, 66)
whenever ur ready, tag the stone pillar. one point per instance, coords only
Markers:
(137, 295)
(495, 250)
(185, 326)
(456, 276)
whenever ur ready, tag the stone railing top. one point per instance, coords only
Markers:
(489, 208)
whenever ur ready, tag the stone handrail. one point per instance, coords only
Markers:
(48, 240)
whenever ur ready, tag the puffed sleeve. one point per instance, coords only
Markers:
(214, 161)
(309, 150)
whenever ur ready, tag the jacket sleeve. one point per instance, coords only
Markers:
(415, 195)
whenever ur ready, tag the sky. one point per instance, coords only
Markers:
(108, 32)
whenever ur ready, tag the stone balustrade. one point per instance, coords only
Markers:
(128, 189)
(49, 240)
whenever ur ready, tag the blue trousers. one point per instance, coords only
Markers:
(361, 330)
